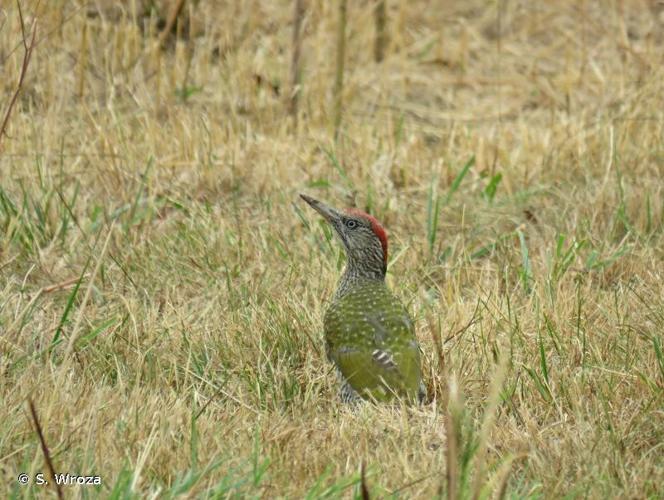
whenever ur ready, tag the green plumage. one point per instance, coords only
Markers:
(369, 335)
(371, 339)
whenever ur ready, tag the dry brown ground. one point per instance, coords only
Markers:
(162, 288)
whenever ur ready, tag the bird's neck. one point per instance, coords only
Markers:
(358, 273)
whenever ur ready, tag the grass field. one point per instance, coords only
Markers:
(162, 286)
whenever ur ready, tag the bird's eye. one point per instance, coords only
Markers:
(351, 224)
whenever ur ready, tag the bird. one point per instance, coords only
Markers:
(369, 335)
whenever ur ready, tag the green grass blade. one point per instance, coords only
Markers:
(69, 305)
(456, 183)
(526, 271)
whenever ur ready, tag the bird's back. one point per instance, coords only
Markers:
(371, 339)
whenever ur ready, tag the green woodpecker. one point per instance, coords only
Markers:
(369, 335)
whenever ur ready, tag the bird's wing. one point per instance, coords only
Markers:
(366, 376)
(382, 359)
(371, 339)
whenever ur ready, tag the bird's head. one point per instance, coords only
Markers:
(362, 236)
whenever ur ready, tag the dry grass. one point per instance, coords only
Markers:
(162, 289)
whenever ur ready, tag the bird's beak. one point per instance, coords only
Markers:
(329, 213)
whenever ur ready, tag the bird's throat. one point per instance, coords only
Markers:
(358, 274)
